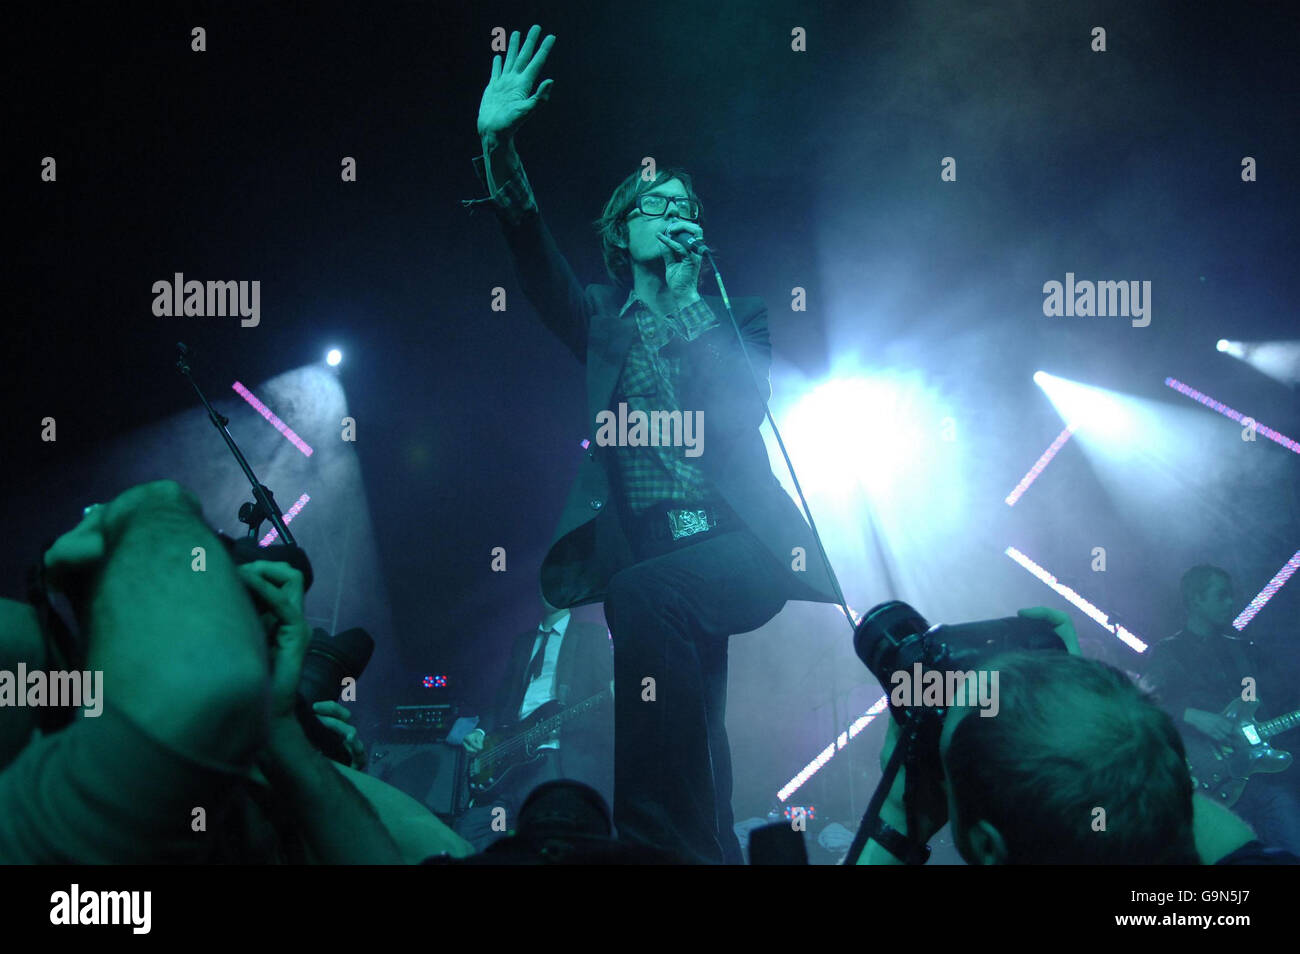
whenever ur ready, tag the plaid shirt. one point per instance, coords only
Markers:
(651, 475)
(648, 382)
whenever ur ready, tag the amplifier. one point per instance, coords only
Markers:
(433, 773)
(434, 720)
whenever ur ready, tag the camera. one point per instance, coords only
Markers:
(894, 641)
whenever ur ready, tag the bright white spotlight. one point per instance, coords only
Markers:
(1222, 345)
(861, 432)
(334, 357)
(1280, 360)
(1096, 411)
(1039, 378)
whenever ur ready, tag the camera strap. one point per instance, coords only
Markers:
(872, 827)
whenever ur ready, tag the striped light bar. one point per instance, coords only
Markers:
(828, 753)
(1042, 462)
(278, 424)
(1087, 608)
(1267, 592)
(1237, 416)
(301, 502)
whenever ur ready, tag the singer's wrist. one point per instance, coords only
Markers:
(493, 140)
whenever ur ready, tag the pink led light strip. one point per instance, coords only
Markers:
(1042, 462)
(292, 512)
(278, 424)
(1228, 412)
(1267, 593)
(1087, 608)
(828, 753)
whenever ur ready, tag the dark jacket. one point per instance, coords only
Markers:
(591, 541)
(585, 666)
(1187, 670)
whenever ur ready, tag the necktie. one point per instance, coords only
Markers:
(535, 668)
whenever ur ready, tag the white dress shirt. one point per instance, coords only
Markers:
(543, 689)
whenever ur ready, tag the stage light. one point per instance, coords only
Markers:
(278, 424)
(1280, 360)
(859, 433)
(1223, 344)
(1091, 611)
(1267, 593)
(1041, 463)
(1231, 414)
(828, 753)
(334, 357)
(1095, 411)
(289, 514)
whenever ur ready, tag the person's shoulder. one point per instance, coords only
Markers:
(1169, 646)
(1247, 644)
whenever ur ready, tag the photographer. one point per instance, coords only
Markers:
(1077, 767)
(184, 664)
(167, 770)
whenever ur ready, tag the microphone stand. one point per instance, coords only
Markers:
(264, 506)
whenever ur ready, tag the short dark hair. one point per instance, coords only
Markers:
(1197, 580)
(612, 224)
(1072, 735)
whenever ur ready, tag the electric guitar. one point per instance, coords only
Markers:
(502, 753)
(1222, 770)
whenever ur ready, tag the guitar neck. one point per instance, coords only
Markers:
(1281, 724)
(547, 727)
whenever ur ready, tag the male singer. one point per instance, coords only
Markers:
(687, 543)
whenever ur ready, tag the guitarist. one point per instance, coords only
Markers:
(562, 660)
(1195, 674)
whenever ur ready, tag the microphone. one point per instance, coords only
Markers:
(692, 243)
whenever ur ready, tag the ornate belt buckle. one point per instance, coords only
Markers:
(686, 523)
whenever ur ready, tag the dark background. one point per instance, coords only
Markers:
(817, 169)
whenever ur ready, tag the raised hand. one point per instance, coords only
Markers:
(508, 99)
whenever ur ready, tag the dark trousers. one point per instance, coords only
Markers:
(1273, 810)
(671, 616)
